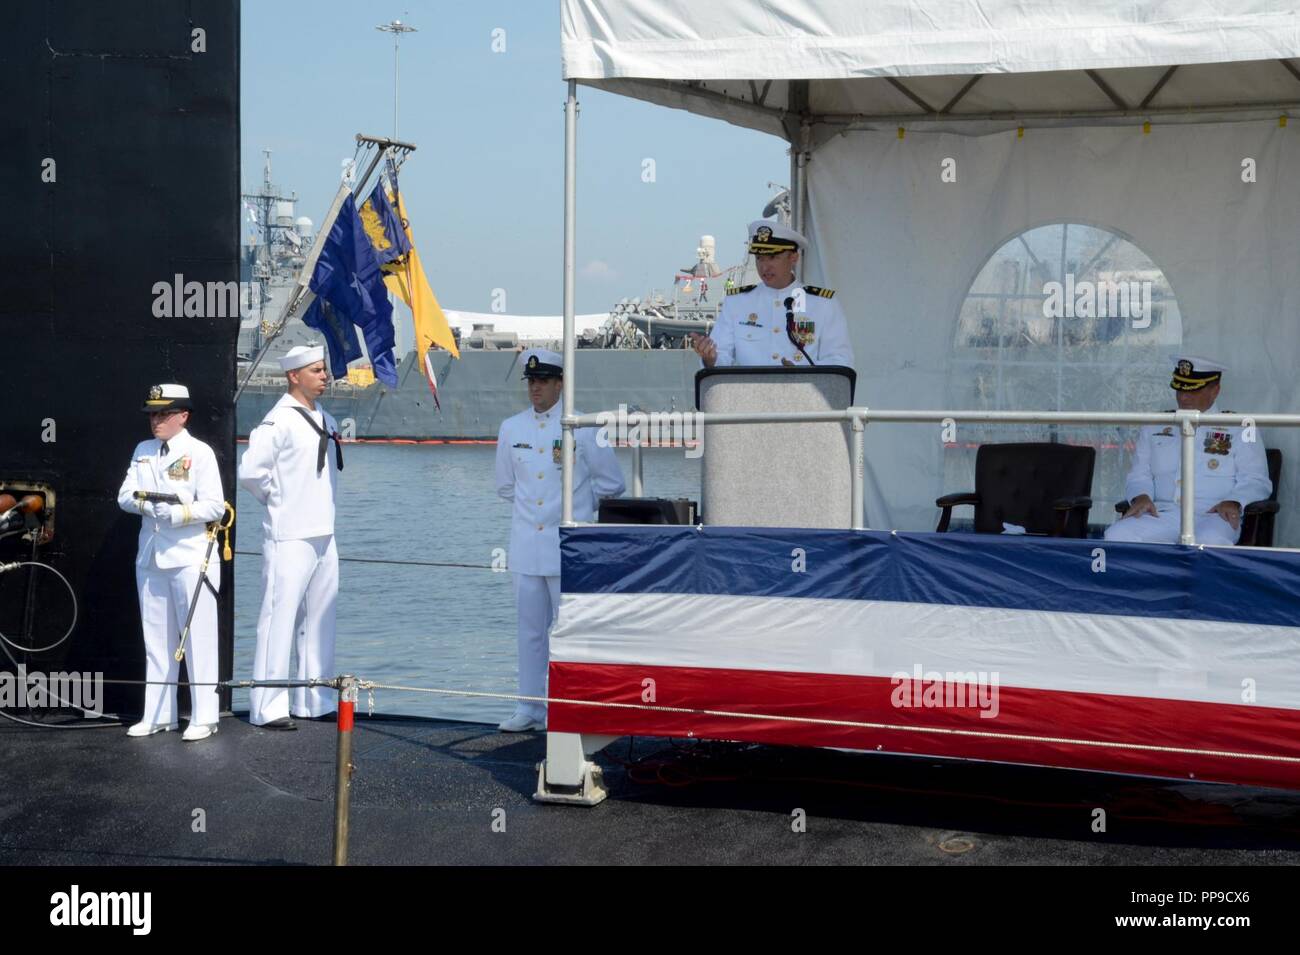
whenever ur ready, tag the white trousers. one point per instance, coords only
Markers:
(164, 601)
(1165, 528)
(537, 600)
(300, 586)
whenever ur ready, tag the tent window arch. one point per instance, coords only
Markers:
(1063, 316)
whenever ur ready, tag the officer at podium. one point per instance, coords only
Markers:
(1231, 472)
(778, 322)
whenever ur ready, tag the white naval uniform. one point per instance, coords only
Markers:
(300, 564)
(167, 564)
(1227, 469)
(528, 473)
(750, 329)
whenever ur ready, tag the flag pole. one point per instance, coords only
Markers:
(302, 296)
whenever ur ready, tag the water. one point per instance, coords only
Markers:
(423, 626)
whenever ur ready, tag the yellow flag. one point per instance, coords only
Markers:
(409, 283)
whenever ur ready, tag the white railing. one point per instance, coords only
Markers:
(859, 418)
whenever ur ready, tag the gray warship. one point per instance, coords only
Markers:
(638, 354)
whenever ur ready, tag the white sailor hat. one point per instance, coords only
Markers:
(167, 398)
(299, 356)
(767, 238)
(541, 363)
(1194, 372)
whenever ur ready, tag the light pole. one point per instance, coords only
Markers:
(396, 28)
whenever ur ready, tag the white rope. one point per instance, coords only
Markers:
(370, 686)
(981, 734)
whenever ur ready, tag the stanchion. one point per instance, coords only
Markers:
(343, 767)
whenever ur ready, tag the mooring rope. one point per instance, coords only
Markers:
(370, 686)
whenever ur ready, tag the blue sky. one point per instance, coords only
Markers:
(485, 188)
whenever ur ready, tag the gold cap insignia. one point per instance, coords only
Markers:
(764, 234)
(155, 392)
(1184, 367)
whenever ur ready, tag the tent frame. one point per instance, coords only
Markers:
(567, 775)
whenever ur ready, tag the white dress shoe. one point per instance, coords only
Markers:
(148, 729)
(197, 731)
(521, 723)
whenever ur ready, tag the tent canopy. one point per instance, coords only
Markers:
(945, 243)
(841, 63)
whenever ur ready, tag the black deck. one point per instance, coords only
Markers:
(425, 792)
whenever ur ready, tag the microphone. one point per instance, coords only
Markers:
(790, 332)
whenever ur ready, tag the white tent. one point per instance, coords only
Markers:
(954, 158)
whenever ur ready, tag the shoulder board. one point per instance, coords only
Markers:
(823, 292)
(741, 288)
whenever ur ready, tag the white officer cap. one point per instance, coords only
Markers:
(1194, 372)
(167, 398)
(767, 238)
(542, 363)
(300, 356)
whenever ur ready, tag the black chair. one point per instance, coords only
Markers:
(1257, 517)
(1042, 487)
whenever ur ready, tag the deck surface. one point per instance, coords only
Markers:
(428, 791)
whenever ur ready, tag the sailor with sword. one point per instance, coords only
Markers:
(174, 484)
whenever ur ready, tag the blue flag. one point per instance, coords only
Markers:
(384, 226)
(347, 276)
(340, 336)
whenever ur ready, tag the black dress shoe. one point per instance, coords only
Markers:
(283, 723)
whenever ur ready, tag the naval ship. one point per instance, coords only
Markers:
(638, 354)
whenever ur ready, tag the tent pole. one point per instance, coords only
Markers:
(794, 187)
(799, 187)
(796, 205)
(570, 219)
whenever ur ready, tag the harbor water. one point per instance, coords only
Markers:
(445, 627)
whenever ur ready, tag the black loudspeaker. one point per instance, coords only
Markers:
(646, 510)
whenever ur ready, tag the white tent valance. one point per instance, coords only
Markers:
(841, 62)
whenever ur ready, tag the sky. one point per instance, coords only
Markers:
(484, 190)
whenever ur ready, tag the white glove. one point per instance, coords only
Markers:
(163, 512)
(145, 508)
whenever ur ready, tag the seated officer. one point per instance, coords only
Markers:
(766, 324)
(1230, 472)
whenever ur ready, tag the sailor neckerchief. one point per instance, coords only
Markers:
(324, 441)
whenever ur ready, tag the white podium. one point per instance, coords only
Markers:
(783, 474)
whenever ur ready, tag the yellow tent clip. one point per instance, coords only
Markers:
(1146, 127)
(900, 132)
(1281, 121)
(1020, 132)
